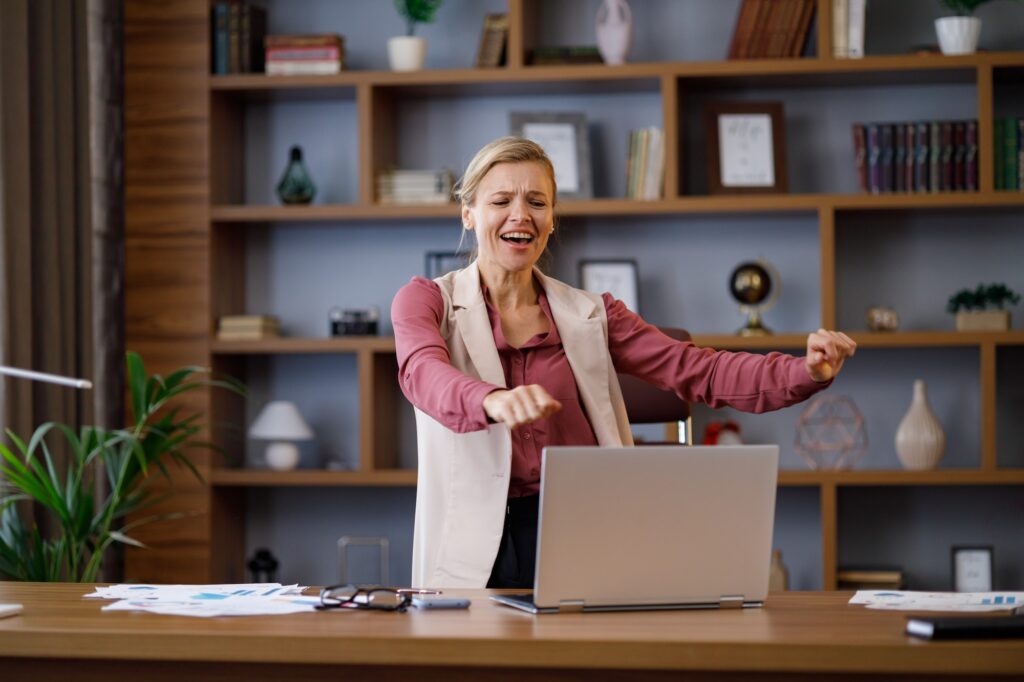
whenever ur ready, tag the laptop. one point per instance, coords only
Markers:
(653, 527)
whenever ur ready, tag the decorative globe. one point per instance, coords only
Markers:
(750, 283)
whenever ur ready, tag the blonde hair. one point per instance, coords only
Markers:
(503, 150)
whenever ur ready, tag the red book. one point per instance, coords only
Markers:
(860, 153)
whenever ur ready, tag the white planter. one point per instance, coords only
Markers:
(958, 35)
(920, 440)
(406, 53)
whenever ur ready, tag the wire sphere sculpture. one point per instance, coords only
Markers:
(830, 433)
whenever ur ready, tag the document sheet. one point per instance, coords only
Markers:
(205, 601)
(938, 601)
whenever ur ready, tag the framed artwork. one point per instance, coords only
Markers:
(972, 568)
(620, 278)
(564, 137)
(746, 147)
(442, 262)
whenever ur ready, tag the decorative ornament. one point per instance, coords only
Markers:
(920, 440)
(614, 31)
(830, 433)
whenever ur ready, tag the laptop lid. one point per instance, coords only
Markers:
(655, 525)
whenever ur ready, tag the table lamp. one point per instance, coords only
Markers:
(281, 424)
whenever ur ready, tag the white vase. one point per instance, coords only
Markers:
(920, 440)
(614, 31)
(406, 53)
(958, 35)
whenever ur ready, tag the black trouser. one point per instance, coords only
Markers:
(517, 553)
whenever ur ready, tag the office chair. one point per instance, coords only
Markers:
(648, 404)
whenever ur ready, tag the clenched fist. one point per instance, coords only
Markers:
(520, 405)
(826, 352)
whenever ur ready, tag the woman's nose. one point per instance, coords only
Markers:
(520, 211)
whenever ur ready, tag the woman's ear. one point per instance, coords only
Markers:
(467, 217)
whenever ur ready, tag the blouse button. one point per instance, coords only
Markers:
(527, 435)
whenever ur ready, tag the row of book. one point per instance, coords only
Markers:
(238, 29)
(305, 55)
(645, 164)
(771, 28)
(415, 186)
(848, 17)
(916, 156)
(247, 327)
(1008, 140)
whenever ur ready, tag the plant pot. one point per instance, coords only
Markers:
(406, 53)
(958, 35)
(983, 321)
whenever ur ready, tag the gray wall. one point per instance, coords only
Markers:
(910, 260)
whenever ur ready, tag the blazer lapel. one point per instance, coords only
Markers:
(475, 327)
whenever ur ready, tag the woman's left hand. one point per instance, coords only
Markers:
(826, 352)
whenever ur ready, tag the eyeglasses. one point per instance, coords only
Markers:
(371, 597)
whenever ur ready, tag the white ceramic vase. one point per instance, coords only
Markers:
(407, 53)
(958, 35)
(614, 31)
(920, 440)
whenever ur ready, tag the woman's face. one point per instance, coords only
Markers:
(512, 214)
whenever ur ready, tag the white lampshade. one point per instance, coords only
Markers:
(280, 420)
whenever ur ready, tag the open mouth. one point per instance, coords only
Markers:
(521, 238)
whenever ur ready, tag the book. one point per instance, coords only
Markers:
(804, 20)
(971, 157)
(855, 28)
(254, 28)
(860, 156)
(874, 158)
(899, 158)
(300, 40)
(997, 144)
(1010, 154)
(305, 67)
(935, 156)
(219, 41)
(946, 160)
(910, 159)
(970, 627)
(959, 156)
(576, 54)
(744, 29)
(840, 21)
(493, 37)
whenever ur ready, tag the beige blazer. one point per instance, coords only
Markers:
(464, 477)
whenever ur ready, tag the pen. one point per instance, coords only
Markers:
(413, 590)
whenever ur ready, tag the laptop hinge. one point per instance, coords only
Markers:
(730, 601)
(570, 606)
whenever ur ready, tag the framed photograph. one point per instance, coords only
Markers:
(746, 147)
(620, 278)
(491, 52)
(972, 568)
(564, 137)
(442, 262)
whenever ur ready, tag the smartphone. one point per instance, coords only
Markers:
(426, 602)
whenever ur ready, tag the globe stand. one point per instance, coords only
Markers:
(754, 326)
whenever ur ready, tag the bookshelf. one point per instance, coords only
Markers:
(190, 221)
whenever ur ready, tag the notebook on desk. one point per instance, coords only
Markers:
(653, 527)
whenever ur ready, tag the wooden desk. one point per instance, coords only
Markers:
(797, 636)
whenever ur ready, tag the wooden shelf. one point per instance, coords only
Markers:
(792, 341)
(258, 478)
(783, 203)
(298, 346)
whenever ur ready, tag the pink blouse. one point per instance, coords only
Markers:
(745, 381)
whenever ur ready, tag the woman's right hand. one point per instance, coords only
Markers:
(520, 405)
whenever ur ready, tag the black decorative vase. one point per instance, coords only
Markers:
(296, 187)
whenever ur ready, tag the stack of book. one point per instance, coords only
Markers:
(921, 156)
(237, 37)
(247, 327)
(415, 186)
(1008, 139)
(870, 579)
(305, 55)
(576, 54)
(771, 28)
(645, 164)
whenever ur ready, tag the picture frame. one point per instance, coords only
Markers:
(563, 135)
(437, 263)
(493, 39)
(971, 568)
(619, 277)
(746, 147)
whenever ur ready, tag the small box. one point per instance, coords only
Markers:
(983, 321)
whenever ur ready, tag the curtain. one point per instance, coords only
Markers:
(62, 210)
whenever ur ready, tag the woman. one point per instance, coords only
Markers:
(500, 361)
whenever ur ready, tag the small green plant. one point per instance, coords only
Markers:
(126, 458)
(417, 12)
(963, 8)
(993, 296)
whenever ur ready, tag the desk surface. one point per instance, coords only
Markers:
(794, 633)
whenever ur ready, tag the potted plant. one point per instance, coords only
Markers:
(958, 34)
(406, 53)
(129, 459)
(982, 309)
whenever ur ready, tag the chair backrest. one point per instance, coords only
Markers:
(648, 404)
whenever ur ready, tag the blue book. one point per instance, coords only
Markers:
(219, 60)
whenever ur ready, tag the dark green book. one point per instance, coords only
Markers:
(1010, 154)
(997, 144)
